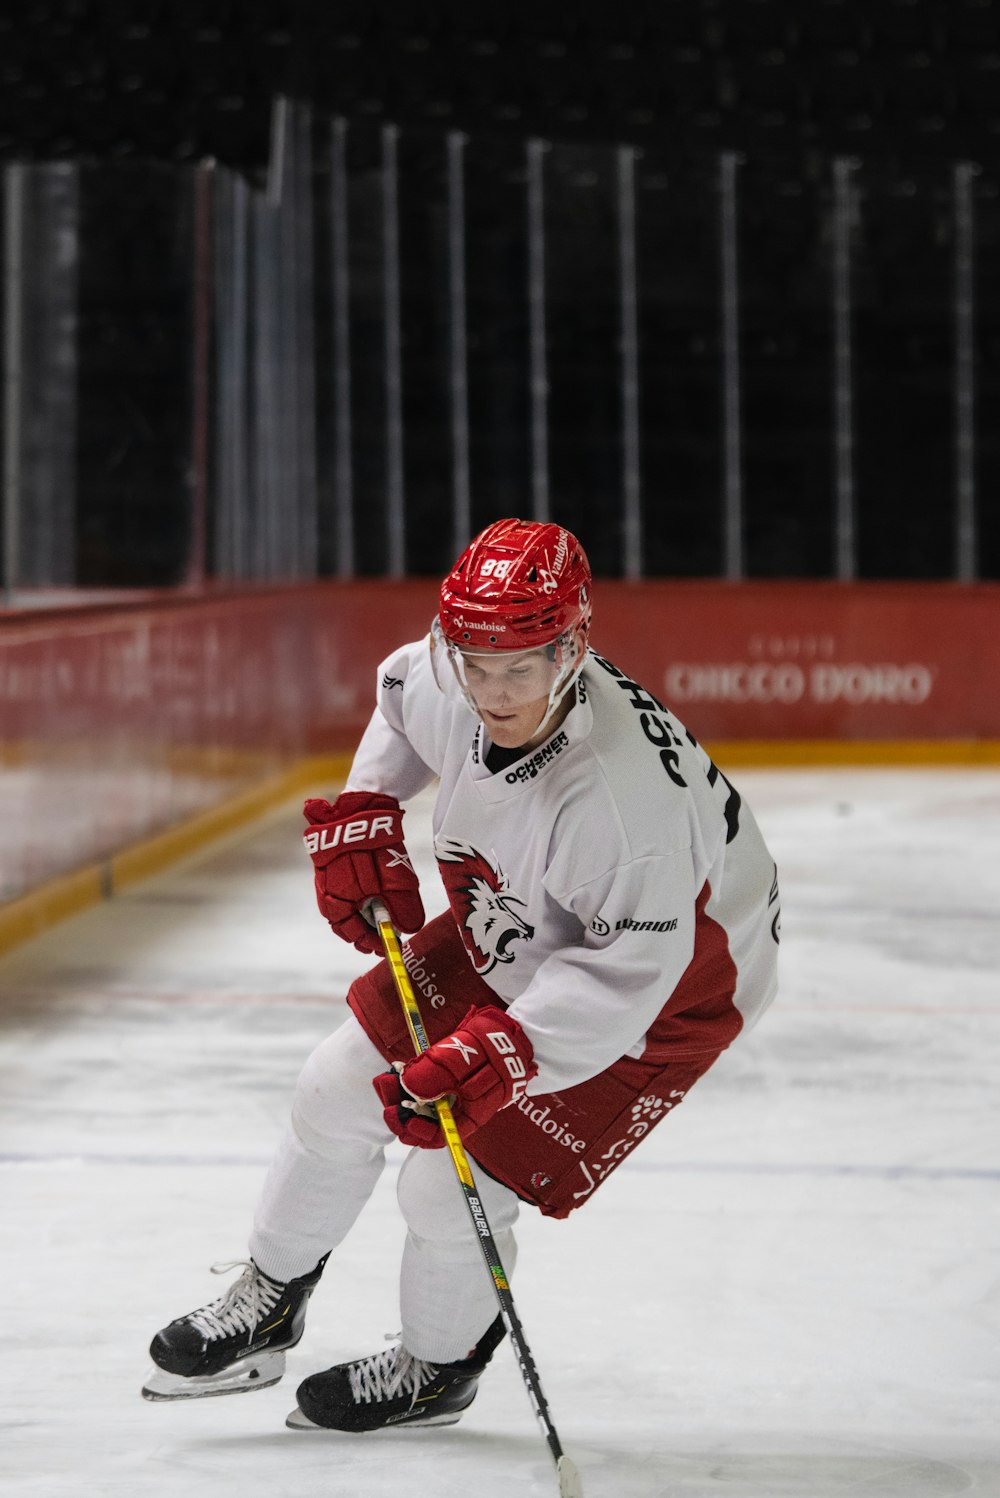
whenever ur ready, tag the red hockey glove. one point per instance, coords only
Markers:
(483, 1065)
(357, 847)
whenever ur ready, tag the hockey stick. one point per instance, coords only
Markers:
(569, 1478)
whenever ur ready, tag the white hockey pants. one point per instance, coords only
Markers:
(324, 1171)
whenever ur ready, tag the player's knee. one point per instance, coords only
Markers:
(429, 1214)
(434, 1206)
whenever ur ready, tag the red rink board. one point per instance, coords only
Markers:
(291, 670)
(125, 720)
(812, 660)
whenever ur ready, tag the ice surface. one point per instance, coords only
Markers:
(791, 1291)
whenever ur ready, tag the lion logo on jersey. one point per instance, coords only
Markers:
(483, 904)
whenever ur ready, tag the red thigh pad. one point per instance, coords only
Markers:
(556, 1148)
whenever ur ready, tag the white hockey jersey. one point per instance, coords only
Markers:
(585, 876)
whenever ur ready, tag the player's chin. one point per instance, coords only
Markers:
(503, 727)
(508, 731)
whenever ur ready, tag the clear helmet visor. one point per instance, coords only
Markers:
(493, 679)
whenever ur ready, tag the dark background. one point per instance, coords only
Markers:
(906, 88)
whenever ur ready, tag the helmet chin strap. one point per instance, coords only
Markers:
(557, 697)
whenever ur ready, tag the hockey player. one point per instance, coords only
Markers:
(613, 927)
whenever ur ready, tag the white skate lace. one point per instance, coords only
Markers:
(244, 1304)
(386, 1374)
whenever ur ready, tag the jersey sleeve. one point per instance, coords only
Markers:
(387, 760)
(592, 1002)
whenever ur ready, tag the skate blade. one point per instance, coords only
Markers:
(258, 1372)
(299, 1421)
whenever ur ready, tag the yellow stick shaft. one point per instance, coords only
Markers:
(569, 1478)
(418, 1035)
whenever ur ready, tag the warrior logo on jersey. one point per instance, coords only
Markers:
(484, 906)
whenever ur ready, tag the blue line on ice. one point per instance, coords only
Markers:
(692, 1167)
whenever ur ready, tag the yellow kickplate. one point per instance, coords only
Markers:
(67, 895)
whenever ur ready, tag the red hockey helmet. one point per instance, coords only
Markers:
(519, 585)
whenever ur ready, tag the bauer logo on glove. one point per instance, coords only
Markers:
(364, 830)
(356, 845)
(481, 1067)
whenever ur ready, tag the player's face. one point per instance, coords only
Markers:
(511, 693)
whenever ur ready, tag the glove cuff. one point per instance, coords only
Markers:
(316, 809)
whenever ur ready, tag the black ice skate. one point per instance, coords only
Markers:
(235, 1344)
(392, 1388)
